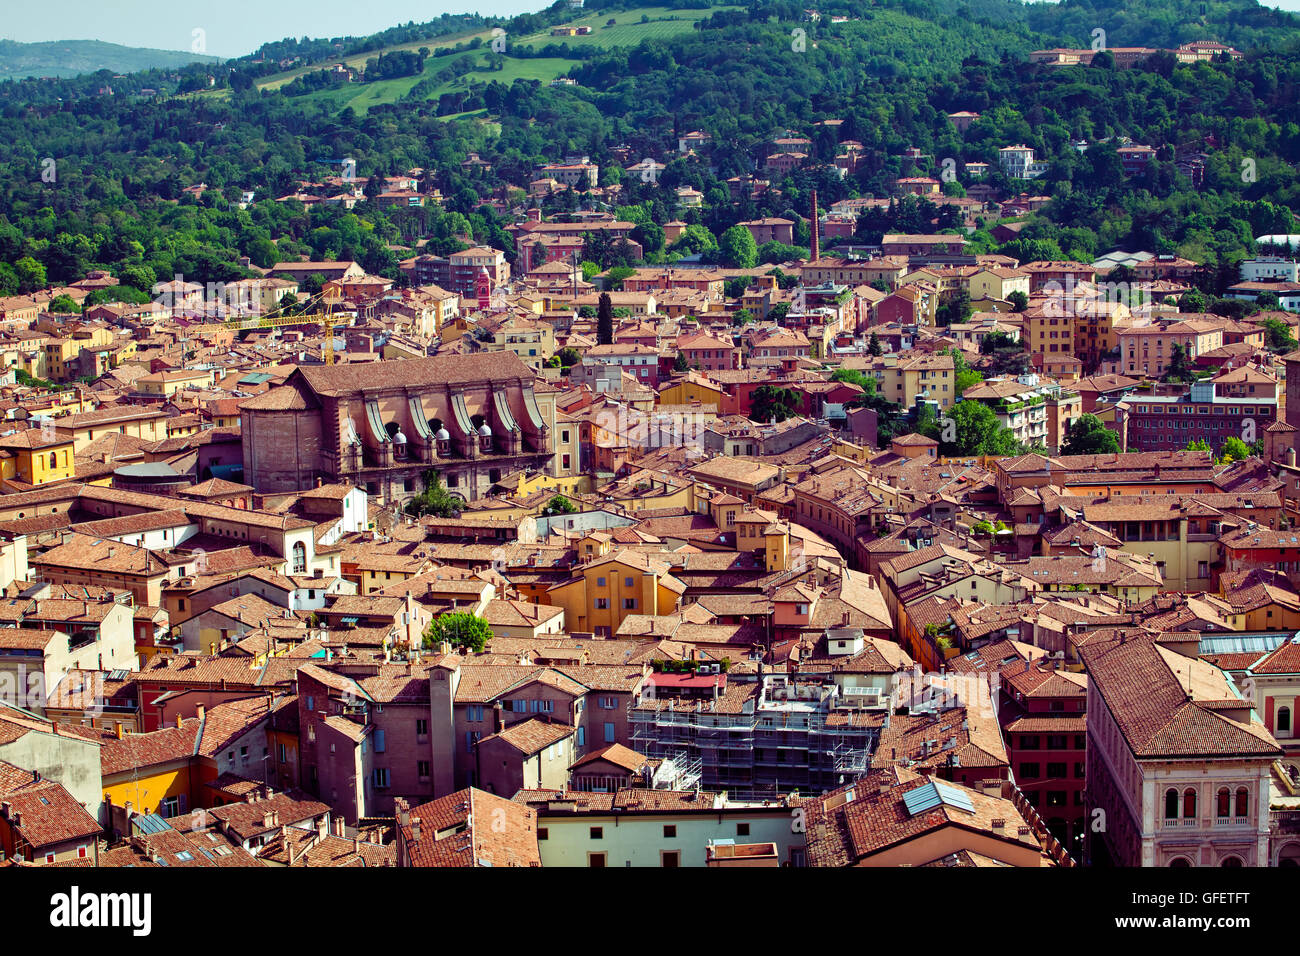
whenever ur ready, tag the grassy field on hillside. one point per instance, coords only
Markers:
(356, 62)
(628, 30)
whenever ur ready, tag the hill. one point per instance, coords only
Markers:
(76, 57)
(459, 62)
(869, 86)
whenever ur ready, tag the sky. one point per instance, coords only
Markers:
(237, 27)
(229, 27)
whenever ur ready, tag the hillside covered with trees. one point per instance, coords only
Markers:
(91, 180)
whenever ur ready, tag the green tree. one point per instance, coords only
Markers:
(1179, 369)
(618, 275)
(31, 275)
(735, 288)
(1088, 436)
(997, 340)
(694, 239)
(559, 505)
(772, 403)
(963, 375)
(972, 428)
(956, 309)
(737, 248)
(873, 345)
(604, 320)
(680, 364)
(435, 499)
(1277, 336)
(460, 629)
(1234, 449)
(118, 293)
(63, 305)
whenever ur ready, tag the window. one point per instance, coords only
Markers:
(542, 833)
(742, 829)
(628, 582)
(629, 604)
(422, 769)
(598, 833)
(1284, 719)
(670, 858)
(596, 860)
(1189, 804)
(1243, 803)
(670, 831)
(600, 582)
(421, 728)
(1029, 771)
(1223, 805)
(379, 741)
(381, 777)
(602, 604)
(1055, 771)
(299, 558)
(609, 733)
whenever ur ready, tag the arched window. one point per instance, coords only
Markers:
(1189, 804)
(1284, 718)
(1231, 861)
(1171, 804)
(300, 558)
(54, 460)
(1224, 803)
(1180, 861)
(1243, 802)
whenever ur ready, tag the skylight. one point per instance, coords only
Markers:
(933, 794)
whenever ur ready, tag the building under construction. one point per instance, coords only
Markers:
(774, 736)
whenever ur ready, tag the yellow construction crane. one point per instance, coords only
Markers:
(278, 318)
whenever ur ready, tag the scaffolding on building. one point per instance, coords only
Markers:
(796, 739)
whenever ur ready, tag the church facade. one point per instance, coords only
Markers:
(381, 426)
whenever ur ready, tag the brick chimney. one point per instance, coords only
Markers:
(814, 252)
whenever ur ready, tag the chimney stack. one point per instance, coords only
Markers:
(814, 251)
